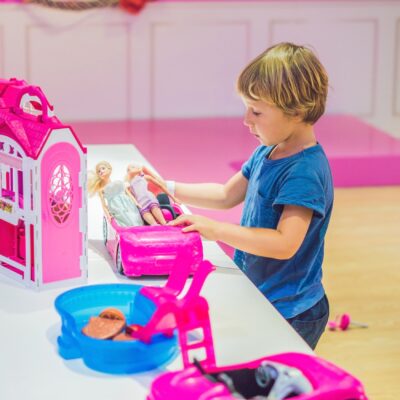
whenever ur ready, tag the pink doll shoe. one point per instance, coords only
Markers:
(343, 322)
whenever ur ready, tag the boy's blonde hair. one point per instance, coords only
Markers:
(290, 77)
(94, 183)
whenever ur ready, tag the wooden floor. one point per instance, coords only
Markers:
(362, 278)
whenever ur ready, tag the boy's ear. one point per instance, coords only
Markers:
(298, 117)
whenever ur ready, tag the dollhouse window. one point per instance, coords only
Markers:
(11, 176)
(7, 182)
(60, 193)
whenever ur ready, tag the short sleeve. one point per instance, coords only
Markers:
(302, 187)
(248, 166)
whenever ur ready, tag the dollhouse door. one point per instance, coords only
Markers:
(61, 198)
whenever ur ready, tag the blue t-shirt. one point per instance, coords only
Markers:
(303, 179)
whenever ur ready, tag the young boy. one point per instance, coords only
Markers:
(286, 186)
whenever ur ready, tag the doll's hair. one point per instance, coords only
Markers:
(134, 165)
(95, 184)
(288, 76)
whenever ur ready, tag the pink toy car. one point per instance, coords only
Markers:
(151, 250)
(290, 375)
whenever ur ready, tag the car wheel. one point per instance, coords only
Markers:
(118, 262)
(105, 231)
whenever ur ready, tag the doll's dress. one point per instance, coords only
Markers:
(120, 205)
(146, 199)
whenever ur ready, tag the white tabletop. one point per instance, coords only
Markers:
(245, 325)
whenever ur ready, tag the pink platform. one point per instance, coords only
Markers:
(360, 154)
(201, 150)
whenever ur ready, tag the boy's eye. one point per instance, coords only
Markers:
(256, 113)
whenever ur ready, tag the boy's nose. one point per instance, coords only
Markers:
(246, 119)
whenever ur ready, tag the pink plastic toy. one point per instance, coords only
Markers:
(151, 250)
(43, 213)
(343, 322)
(188, 314)
(289, 375)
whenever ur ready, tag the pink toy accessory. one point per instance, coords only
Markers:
(277, 377)
(290, 375)
(343, 322)
(188, 314)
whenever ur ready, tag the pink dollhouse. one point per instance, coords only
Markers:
(43, 208)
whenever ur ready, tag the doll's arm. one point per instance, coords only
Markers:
(104, 205)
(146, 171)
(132, 197)
(162, 186)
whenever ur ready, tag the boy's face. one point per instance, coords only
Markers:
(268, 123)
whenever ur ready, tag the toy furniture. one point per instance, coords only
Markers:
(156, 312)
(43, 208)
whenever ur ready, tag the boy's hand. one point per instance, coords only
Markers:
(207, 227)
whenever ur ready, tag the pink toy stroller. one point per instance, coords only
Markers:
(151, 250)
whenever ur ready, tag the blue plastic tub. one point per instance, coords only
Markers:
(76, 306)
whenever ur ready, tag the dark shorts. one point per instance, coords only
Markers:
(311, 323)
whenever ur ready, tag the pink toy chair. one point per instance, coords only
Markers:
(187, 314)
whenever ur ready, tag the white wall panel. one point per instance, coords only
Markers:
(181, 59)
(396, 97)
(83, 71)
(195, 67)
(347, 48)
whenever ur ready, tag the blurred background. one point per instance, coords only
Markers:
(161, 75)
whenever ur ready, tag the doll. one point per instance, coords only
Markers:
(140, 178)
(115, 200)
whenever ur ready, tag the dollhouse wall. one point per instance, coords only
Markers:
(61, 249)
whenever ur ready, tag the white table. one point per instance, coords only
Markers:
(245, 326)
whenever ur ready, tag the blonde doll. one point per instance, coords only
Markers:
(115, 200)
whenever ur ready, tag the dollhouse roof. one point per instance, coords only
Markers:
(30, 131)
